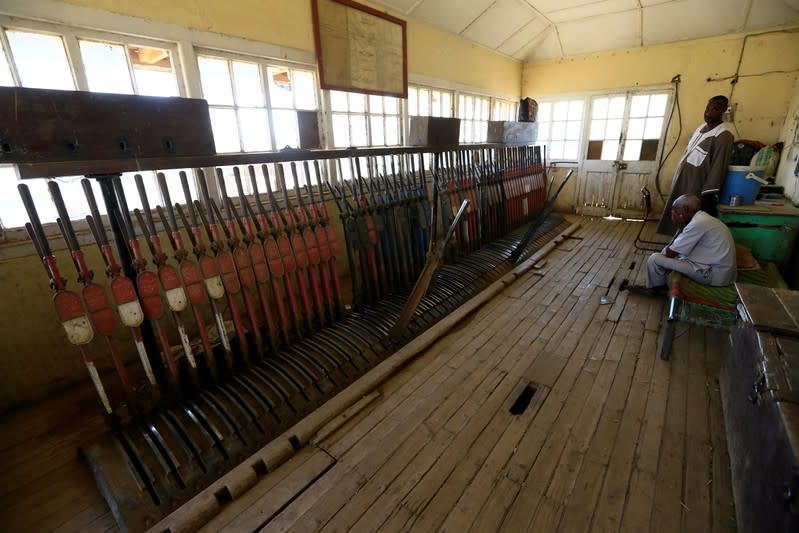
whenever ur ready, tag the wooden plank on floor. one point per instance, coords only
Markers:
(668, 504)
(300, 473)
(722, 503)
(608, 515)
(696, 486)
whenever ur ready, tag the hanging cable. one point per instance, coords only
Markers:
(675, 105)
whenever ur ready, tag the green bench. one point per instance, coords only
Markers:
(716, 307)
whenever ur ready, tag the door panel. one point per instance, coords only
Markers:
(624, 139)
(597, 192)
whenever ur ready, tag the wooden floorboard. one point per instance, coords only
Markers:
(614, 439)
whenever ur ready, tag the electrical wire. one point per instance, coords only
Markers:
(676, 104)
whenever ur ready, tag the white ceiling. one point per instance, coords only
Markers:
(533, 30)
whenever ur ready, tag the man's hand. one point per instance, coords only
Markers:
(668, 252)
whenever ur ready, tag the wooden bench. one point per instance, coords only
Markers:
(716, 307)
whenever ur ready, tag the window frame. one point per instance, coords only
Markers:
(263, 63)
(71, 36)
(581, 140)
(367, 114)
(475, 96)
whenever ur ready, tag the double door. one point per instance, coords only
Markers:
(624, 140)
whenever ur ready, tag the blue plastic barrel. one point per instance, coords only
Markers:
(744, 182)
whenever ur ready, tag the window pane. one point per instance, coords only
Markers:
(616, 108)
(573, 130)
(484, 109)
(556, 150)
(412, 102)
(287, 132)
(639, 105)
(632, 150)
(254, 125)
(558, 131)
(226, 131)
(424, 102)
(247, 81)
(106, 67)
(635, 129)
(468, 109)
(375, 104)
(341, 131)
(215, 80)
(609, 150)
(155, 83)
(600, 108)
(41, 60)
(653, 128)
(338, 101)
(376, 130)
(280, 86)
(544, 111)
(657, 105)
(5, 72)
(357, 103)
(561, 111)
(446, 105)
(614, 129)
(392, 130)
(575, 110)
(570, 150)
(435, 100)
(358, 130)
(391, 105)
(597, 130)
(153, 71)
(304, 90)
(543, 131)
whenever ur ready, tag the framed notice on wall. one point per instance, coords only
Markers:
(360, 49)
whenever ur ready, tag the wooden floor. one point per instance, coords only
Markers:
(612, 438)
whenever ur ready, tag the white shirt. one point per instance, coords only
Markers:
(707, 244)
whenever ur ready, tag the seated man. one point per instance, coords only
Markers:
(702, 249)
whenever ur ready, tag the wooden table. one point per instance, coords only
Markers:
(769, 230)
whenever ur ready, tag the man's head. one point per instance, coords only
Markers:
(684, 208)
(714, 110)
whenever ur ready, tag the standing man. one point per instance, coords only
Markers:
(702, 250)
(703, 166)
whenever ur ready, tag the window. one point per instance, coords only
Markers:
(503, 110)
(111, 63)
(473, 112)
(644, 127)
(40, 60)
(247, 97)
(128, 69)
(361, 120)
(424, 102)
(560, 126)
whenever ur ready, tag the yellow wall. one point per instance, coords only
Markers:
(431, 52)
(762, 99)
